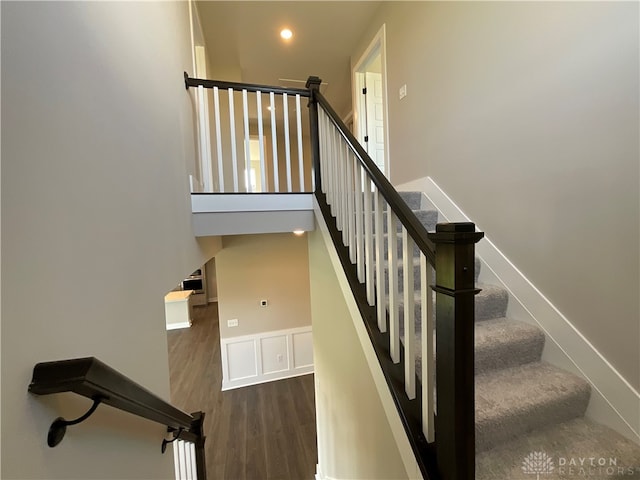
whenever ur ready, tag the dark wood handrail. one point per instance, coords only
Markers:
(416, 230)
(249, 87)
(93, 379)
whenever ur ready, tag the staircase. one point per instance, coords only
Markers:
(524, 404)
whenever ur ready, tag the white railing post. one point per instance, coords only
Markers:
(263, 172)
(205, 142)
(274, 142)
(216, 109)
(351, 208)
(300, 157)
(380, 296)
(360, 256)
(368, 240)
(427, 330)
(287, 146)
(232, 134)
(409, 315)
(247, 143)
(394, 306)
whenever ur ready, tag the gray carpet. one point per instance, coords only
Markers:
(529, 414)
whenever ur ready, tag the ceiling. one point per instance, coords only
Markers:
(243, 42)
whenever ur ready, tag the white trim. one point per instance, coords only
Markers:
(393, 417)
(257, 371)
(614, 402)
(379, 41)
(256, 202)
(176, 326)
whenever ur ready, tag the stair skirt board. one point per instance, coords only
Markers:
(266, 357)
(613, 401)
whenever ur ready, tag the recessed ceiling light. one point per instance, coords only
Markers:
(286, 34)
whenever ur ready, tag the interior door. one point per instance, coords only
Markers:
(375, 118)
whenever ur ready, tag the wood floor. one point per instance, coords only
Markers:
(260, 432)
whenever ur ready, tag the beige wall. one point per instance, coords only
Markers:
(526, 114)
(97, 140)
(355, 440)
(274, 267)
(212, 279)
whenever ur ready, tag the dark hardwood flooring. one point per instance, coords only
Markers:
(265, 431)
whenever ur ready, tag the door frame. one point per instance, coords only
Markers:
(377, 45)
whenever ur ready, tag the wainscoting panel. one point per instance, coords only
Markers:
(302, 350)
(266, 356)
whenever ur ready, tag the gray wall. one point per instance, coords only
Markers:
(355, 439)
(97, 141)
(526, 114)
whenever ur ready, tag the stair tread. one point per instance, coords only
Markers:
(577, 438)
(486, 291)
(516, 400)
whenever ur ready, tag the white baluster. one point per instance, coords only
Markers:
(409, 315)
(263, 172)
(428, 365)
(360, 256)
(216, 107)
(247, 142)
(351, 208)
(205, 141)
(368, 240)
(394, 306)
(274, 142)
(300, 159)
(287, 145)
(232, 133)
(379, 245)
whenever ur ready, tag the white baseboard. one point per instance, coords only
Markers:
(265, 357)
(614, 402)
(176, 326)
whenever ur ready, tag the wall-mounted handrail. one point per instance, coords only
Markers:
(390, 194)
(91, 378)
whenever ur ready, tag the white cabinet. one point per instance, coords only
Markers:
(178, 309)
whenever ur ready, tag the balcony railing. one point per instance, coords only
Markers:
(366, 217)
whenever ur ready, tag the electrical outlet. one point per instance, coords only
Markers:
(264, 303)
(232, 323)
(403, 91)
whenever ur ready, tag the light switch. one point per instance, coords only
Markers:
(403, 91)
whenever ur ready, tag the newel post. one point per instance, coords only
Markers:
(455, 317)
(197, 428)
(313, 84)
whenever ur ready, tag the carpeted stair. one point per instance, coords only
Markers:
(523, 404)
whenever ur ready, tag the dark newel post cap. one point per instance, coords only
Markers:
(456, 232)
(456, 227)
(313, 83)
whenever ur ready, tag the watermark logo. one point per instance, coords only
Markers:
(538, 463)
